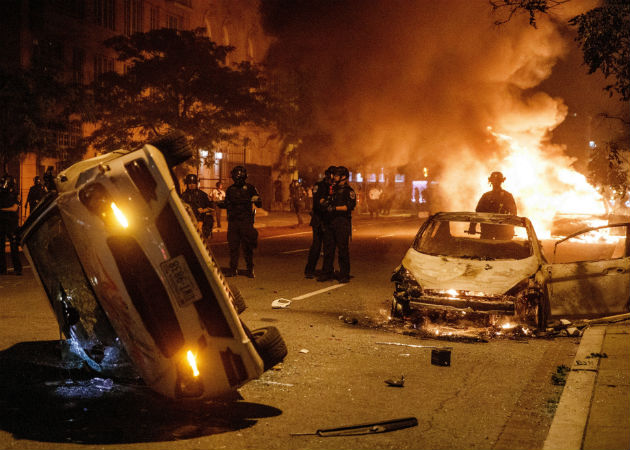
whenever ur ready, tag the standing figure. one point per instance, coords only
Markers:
(338, 227)
(296, 193)
(35, 194)
(374, 200)
(241, 198)
(277, 194)
(321, 191)
(49, 179)
(200, 203)
(218, 195)
(9, 205)
(497, 201)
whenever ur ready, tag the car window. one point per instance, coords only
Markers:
(602, 243)
(483, 241)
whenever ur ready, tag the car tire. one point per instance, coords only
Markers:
(270, 346)
(396, 312)
(542, 313)
(174, 146)
(237, 299)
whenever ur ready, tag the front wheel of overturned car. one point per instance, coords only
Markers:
(270, 346)
(237, 299)
(397, 311)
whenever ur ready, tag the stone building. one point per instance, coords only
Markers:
(73, 31)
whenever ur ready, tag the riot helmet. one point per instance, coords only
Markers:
(342, 172)
(37, 180)
(330, 171)
(7, 183)
(239, 174)
(191, 178)
(496, 177)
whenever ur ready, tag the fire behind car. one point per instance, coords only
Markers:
(454, 270)
(130, 279)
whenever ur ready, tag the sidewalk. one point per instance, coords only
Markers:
(594, 410)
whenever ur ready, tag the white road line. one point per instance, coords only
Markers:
(310, 294)
(284, 235)
(295, 251)
(385, 235)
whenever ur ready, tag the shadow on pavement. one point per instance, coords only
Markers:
(42, 399)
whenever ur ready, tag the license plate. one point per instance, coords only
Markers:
(180, 281)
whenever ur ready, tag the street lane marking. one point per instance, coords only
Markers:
(296, 251)
(385, 235)
(310, 294)
(284, 235)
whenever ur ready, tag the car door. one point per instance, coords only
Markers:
(589, 274)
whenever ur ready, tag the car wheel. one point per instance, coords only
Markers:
(174, 146)
(270, 346)
(396, 312)
(237, 299)
(542, 313)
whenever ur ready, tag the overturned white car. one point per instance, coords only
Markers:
(130, 279)
(452, 271)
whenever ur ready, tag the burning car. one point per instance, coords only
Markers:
(129, 278)
(453, 271)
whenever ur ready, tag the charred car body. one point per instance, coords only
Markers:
(451, 271)
(130, 279)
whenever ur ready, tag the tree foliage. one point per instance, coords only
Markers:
(603, 34)
(36, 104)
(175, 80)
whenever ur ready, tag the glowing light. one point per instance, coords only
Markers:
(452, 292)
(203, 153)
(426, 172)
(218, 155)
(193, 363)
(592, 144)
(119, 216)
(508, 326)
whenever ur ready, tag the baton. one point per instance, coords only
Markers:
(366, 428)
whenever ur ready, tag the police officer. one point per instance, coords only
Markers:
(497, 201)
(200, 203)
(321, 191)
(9, 204)
(338, 226)
(35, 194)
(240, 199)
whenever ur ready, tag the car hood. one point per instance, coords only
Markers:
(491, 277)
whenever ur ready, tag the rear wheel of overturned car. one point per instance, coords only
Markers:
(174, 146)
(270, 346)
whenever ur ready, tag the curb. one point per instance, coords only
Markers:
(569, 422)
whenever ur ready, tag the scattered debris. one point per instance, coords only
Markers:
(597, 355)
(351, 321)
(400, 382)
(441, 357)
(366, 428)
(560, 377)
(280, 303)
(303, 350)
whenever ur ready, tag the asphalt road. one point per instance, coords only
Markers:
(495, 394)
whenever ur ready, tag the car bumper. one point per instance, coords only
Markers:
(482, 306)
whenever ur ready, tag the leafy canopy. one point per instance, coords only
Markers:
(175, 80)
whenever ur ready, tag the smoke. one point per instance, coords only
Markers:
(420, 83)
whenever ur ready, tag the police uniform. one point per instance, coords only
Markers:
(9, 224)
(198, 199)
(337, 231)
(320, 192)
(35, 194)
(239, 198)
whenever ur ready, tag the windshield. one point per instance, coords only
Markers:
(482, 241)
(66, 285)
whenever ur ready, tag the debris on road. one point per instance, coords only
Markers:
(399, 382)
(413, 345)
(366, 428)
(303, 351)
(441, 357)
(281, 303)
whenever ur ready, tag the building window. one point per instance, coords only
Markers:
(133, 16)
(105, 13)
(72, 8)
(174, 22)
(102, 64)
(155, 18)
(78, 61)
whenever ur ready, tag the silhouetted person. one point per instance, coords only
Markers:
(35, 194)
(296, 193)
(321, 191)
(497, 201)
(49, 179)
(9, 205)
(200, 203)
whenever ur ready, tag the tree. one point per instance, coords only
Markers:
(36, 105)
(603, 34)
(175, 80)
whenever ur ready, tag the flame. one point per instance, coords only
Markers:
(120, 216)
(543, 182)
(193, 363)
